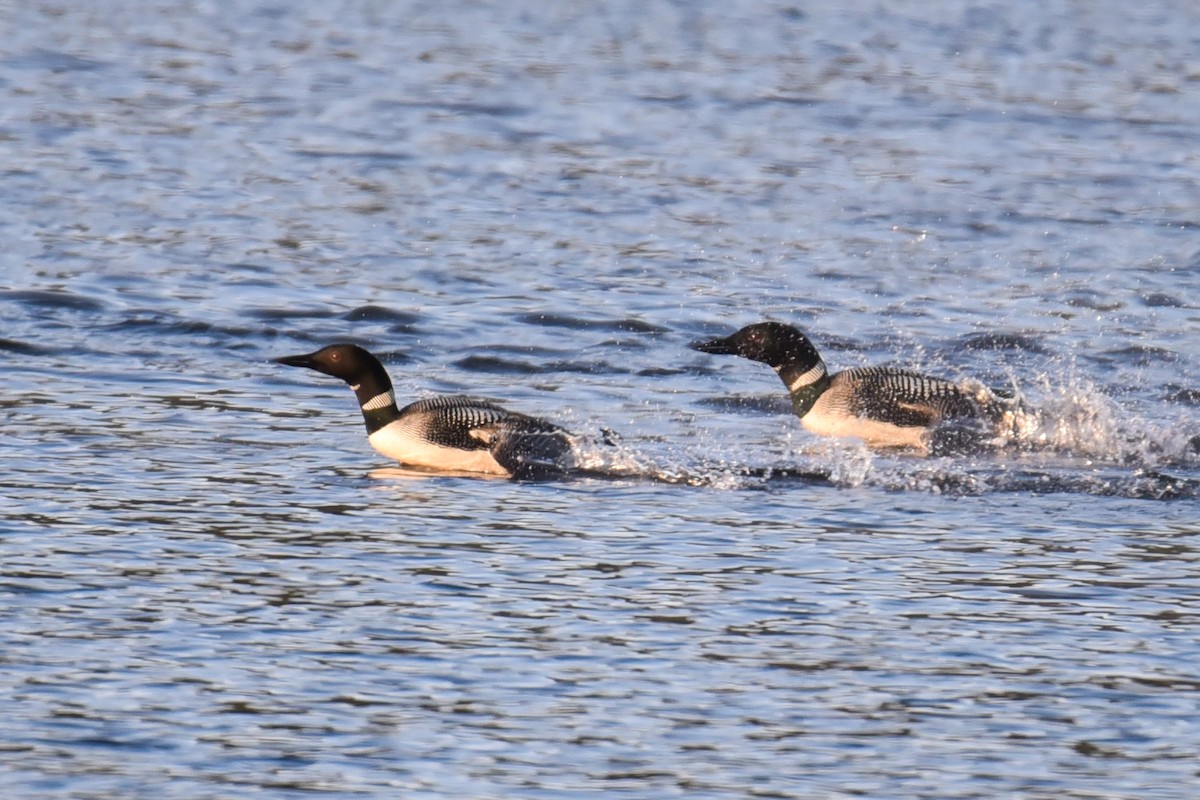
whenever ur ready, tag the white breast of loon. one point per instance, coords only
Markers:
(827, 418)
(397, 441)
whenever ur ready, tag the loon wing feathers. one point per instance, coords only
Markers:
(902, 397)
(458, 421)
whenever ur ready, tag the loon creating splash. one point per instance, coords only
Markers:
(452, 433)
(884, 406)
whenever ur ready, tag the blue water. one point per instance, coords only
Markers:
(211, 587)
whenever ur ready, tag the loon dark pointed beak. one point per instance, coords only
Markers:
(297, 361)
(721, 347)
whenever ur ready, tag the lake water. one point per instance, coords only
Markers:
(212, 588)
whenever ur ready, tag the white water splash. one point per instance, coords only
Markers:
(1075, 418)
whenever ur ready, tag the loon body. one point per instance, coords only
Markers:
(445, 433)
(884, 406)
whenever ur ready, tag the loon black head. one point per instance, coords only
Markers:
(349, 362)
(772, 343)
(361, 370)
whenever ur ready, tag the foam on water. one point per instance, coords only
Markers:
(1078, 419)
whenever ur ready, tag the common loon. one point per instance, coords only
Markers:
(884, 406)
(446, 433)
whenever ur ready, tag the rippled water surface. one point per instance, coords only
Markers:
(213, 588)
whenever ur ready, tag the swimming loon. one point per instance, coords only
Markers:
(448, 432)
(884, 406)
